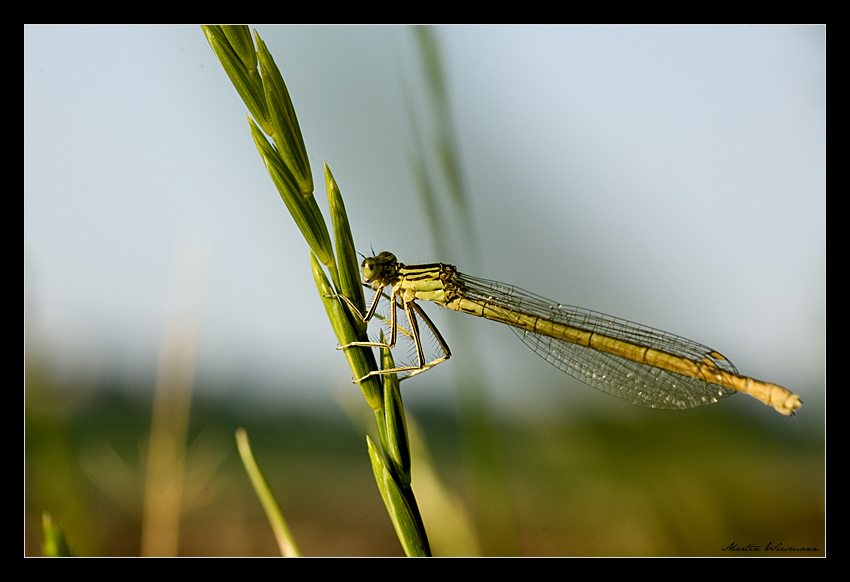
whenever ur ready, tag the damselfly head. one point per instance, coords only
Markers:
(374, 268)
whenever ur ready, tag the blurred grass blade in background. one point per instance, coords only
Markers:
(55, 545)
(285, 541)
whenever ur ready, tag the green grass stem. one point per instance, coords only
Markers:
(276, 132)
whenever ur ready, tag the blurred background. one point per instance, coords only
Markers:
(673, 176)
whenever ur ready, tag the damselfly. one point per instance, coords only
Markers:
(640, 364)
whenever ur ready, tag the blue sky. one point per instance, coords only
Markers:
(673, 176)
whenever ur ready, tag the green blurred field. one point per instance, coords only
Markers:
(660, 484)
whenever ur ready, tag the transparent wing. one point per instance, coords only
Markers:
(633, 381)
